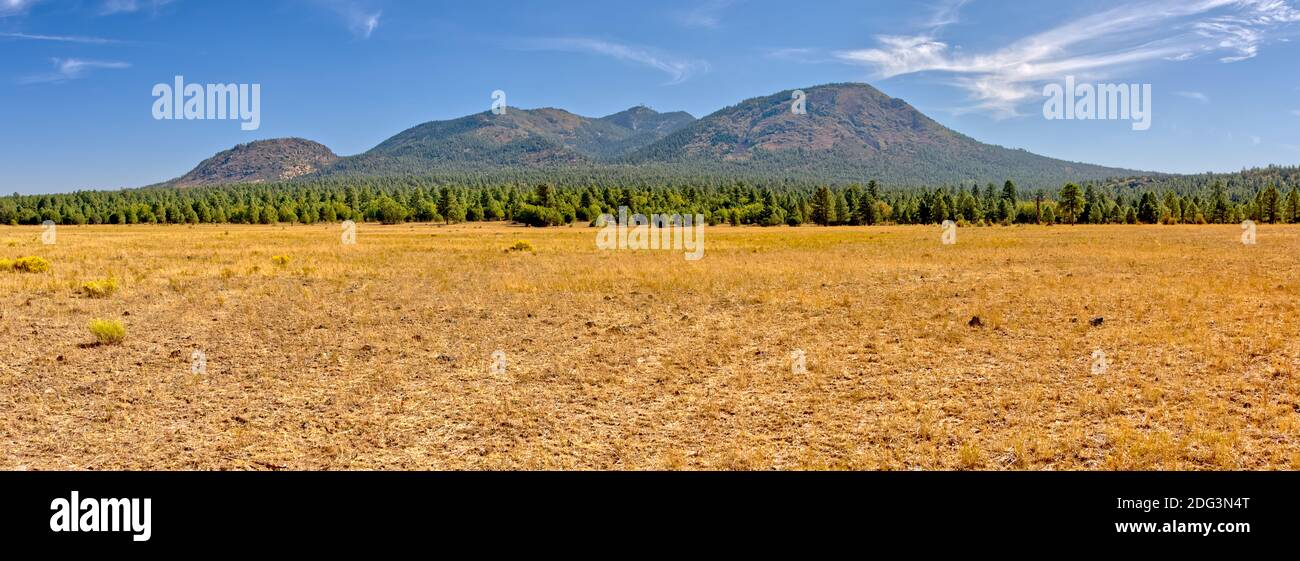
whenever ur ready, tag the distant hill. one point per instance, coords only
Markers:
(260, 162)
(520, 137)
(849, 133)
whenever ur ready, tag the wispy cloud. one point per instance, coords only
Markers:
(947, 13)
(678, 70)
(60, 38)
(1090, 47)
(66, 69)
(707, 14)
(1195, 96)
(15, 7)
(361, 20)
(110, 7)
(806, 55)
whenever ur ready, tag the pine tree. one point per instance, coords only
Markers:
(823, 207)
(1219, 212)
(1293, 205)
(1009, 192)
(1148, 211)
(1071, 202)
(451, 209)
(1270, 205)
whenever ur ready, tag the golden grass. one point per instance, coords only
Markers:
(379, 355)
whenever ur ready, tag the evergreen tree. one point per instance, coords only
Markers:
(823, 207)
(1071, 202)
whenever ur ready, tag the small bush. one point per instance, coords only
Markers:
(107, 331)
(6, 264)
(31, 265)
(280, 259)
(520, 245)
(100, 288)
(539, 216)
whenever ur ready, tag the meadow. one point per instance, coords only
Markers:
(440, 347)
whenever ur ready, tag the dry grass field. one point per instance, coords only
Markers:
(378, 355)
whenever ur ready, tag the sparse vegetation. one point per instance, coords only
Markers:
(281, 260)
(666, 364)
(520, 245)
(30, 265)
(100, 288)
(107, 331)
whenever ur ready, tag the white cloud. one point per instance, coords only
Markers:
(1090, 47)
(110, 7)
(946, 14)
(1195, 96)
(798, 54)
(66, 69)
(361, 20)
(707, 14)
(15, 7)
(60, 38)
(678, 70)
(364, 24)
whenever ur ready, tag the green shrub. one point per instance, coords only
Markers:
(100, 288)
(31, 265)
(107, 331)
(539, 216)
(520, 245)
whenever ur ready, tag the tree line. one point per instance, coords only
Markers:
(446, 199)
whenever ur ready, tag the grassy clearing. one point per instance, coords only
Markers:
(379, 354)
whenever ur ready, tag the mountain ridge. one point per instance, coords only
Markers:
(849, 132)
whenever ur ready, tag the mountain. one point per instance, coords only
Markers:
(647, 126)
(519, 137)
(259, 162)
(849, 133)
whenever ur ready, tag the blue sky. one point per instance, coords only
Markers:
(76, 75)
